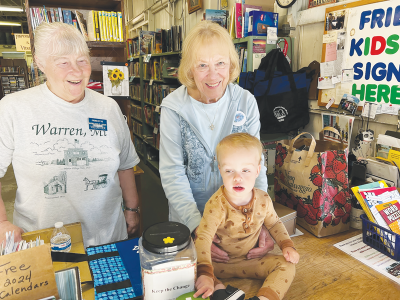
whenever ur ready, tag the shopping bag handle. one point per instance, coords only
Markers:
(331, 129)
(310, 150)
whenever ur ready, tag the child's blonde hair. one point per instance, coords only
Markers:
(240, 140)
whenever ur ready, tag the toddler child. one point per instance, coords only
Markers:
(236, 213)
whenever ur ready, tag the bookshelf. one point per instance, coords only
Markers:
(99, 51)
(13, 76)
(248, 43)
(151, 80)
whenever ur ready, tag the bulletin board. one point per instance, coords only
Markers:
(365, 48)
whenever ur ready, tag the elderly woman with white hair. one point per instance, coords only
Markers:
(195, 117)
(70, 147)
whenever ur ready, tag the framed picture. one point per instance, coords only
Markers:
(194, 5)
(115, 79)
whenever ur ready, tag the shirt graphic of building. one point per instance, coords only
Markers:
(76, 157)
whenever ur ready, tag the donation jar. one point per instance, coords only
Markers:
(168, 260)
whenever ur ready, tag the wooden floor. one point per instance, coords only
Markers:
(325, 272)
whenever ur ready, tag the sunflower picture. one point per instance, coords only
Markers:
(116, 77)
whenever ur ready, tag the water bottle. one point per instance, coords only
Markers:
(60, 239)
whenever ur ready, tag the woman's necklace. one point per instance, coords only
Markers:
(211, 123)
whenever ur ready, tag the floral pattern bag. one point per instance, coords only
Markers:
(314, 182)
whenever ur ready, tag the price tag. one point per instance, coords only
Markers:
(151, 82)
(131, 78)
(147, 58)
(131, 59)
(158, 108)
(155, 131)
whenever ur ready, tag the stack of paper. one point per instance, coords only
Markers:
(9, 246)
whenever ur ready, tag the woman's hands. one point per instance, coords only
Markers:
(204, 285)
(265, 244)
(6, 226)
(132, 222)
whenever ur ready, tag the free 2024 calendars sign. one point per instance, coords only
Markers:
(373, 52)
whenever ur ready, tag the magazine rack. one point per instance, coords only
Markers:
(381, 239)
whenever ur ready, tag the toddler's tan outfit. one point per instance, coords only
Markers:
(238, 228)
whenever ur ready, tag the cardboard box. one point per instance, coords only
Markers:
(259, 21)
(288, 217)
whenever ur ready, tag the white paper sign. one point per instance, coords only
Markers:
(327, 68)
(330, 37)
(168, 281)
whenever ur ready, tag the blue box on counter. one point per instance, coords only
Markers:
(259, 21)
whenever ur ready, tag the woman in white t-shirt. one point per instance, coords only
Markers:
(70, 147)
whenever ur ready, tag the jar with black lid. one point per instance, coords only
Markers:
(168, 261)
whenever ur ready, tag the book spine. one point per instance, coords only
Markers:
(109, 26)
(45, 14)
(105, 26)
(101, 25)
(60, 15)
(238, 20)
(115, 27)
(52, 15)
(120, 31)
(96, 25)
(33, 22)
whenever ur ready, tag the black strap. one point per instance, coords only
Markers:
(113, 286)
(68, 257)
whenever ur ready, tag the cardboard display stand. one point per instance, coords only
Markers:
(28, 274)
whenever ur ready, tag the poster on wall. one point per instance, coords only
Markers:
(372, 51)
(343, 124)
(115, 79)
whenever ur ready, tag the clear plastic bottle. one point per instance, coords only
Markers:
(60, 239)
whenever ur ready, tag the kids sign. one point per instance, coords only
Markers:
(372, 50)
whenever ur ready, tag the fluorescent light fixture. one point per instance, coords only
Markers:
(5, 23)
(11, 8)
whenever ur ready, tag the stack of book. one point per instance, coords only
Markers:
(380, 203)
(103, 26)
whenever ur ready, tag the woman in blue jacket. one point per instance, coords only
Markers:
(195, 117)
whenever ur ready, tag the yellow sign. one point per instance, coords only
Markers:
(22, 42)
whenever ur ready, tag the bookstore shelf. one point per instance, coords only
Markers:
(155, 165)
(136, 134)
(165, 54)
(148, 103)
(170, 77)
(137, 119)
(136, 99)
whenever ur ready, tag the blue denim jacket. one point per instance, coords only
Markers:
(188, 168)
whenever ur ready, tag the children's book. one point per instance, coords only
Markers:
(82, 24)
(377, 196)
(390, 212)
(356, 191)
(145, 38)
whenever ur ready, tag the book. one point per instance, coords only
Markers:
(145, 38)
(158, 42)
(120, 31)
(356, 191)
(218, 16)
(82, 24)
(246, 10)
(101, 27)
(92, 27)
(232, 32)
(67, 16)
(390, 212)
(238, 20)
(259, 51)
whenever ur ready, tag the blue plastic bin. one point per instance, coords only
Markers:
(381, 239)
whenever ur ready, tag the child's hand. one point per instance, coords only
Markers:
(205, 286)
(290, 254)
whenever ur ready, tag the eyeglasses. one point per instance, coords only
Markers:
(221, 65)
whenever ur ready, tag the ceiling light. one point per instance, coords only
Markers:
(5, 23)
(11, 8)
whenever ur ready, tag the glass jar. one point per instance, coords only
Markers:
(168, 260)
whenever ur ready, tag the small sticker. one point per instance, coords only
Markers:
(151, 82)
(155, 131)
(97, 124)
(158, 108)
(240, 118)
(131, 78)
(168, 240)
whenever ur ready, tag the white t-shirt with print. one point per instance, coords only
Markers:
(66, 159)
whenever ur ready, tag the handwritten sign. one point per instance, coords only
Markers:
(27, 274)
(22, 42)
